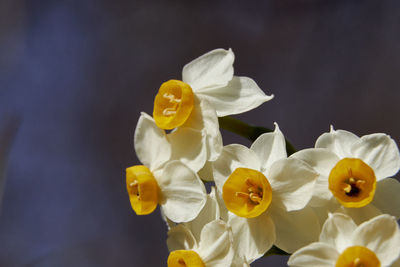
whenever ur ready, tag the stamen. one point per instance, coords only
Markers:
(357, 262)
(255, 198)
(134, 183)
(352, 180)
(169, 111)
(241, 194)
(347, 188)
(171, 98)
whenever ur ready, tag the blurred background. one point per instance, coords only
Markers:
(75, 75)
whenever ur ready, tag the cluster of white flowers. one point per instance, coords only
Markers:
(331, 205)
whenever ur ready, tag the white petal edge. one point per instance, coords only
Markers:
(269, 148)
(337, 231)
(295, 229)
(316, 254)
(380, 152)
(387, 197)
(215, 247)
(241, 94)
(292, 183)
(232, 157)
(337, 141)
(151, 145)
(381, 235)
(183, 193)
(180, 238)
(210, 69)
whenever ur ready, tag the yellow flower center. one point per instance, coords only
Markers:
(173, 104)
(247, 193)
(142, 188)
(358, 256)
(352, 182)
(183, 258)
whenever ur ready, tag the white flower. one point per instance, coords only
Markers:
(169, 183)
(208, 89)
(354, 174)
(264, 192)
(213, 248)
(343, 243)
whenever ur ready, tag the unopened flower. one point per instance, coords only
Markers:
(208, 89)
(264, 191)
(342, 243)
(213, 248)
(354, 174)
(171, 184)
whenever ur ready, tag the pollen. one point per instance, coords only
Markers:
(352, 182)
(173, 104)
(142, 188)
(184, 258)
(247, 193)
(358, 256)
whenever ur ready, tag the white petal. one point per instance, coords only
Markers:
(215, 247)
(209, 213)
(292, 183)
(179, 237)
(206, 173)
(151, 145)
(212, 68)
(337, 231)
(295, 229)
(204, 118)
(322, 160)
(359, 215)
(339, 142)
(381, 235)
(183, 193)
(269, 148)
(387, 197)
(380, 152)
(232, 157)
(316, 254)
(241, 94)
(188, 146)
(253, 237)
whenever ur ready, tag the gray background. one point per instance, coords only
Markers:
(78, 73)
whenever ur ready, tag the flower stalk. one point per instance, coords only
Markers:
(248, 131)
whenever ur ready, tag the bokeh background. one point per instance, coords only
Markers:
(75, 75)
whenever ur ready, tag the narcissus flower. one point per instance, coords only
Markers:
(213, 248)
(162, 181)
(265, 194)
(208, 89)
(342, 243)
(354, 174)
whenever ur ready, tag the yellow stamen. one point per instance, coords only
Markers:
(352, 182)
(247, 193)
(358, 256)
(173, 104)
(142, 188)
(183, 258)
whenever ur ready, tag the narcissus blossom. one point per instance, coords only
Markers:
(342, 243)
(213, 248)
(354, 174)
(162, 181)
(208, 89)
(265, 194)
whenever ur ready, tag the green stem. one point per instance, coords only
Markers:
(248, 131)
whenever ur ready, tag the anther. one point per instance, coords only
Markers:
(169, 111)
(352, 180)
(357, 262)
(347, 188)
(255, 198)
(171, 98)
(134, 183)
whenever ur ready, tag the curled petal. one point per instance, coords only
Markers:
(337, 141)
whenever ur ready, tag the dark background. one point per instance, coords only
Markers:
(76, 74)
